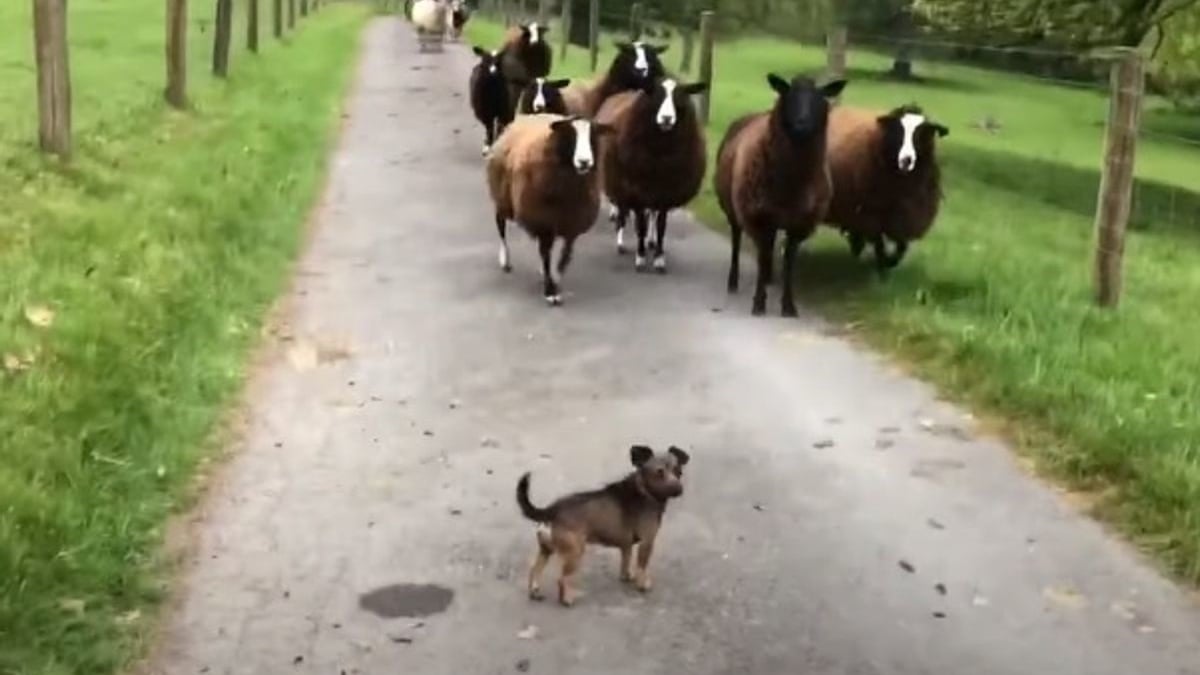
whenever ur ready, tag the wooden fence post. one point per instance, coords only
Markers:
(594, 33)
(689, 46)
(291, 14)
(176, 93)
(303, 8)
(252, 25)
(635, 21)
(835, 46)
(277, 18)
(221, 35)
(1116, 183)
(567, 6)
(707, 25)
(53, 76)
(543, 15)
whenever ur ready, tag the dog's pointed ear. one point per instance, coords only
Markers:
(680, 456)
(640, 454)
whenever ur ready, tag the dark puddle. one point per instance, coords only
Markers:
(407, 600)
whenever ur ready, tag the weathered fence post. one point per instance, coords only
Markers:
(594, 33)
(53, 76)
(252, 25)
(291, 14)
(707, 25)
(635, 21)
(303, 8)
(176, 93)
(221, 35)
(1116, 183)
(277, 18)
(543, 15)
(835, 56)
(567, 6)
(689, 46)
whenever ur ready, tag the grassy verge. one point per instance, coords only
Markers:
(134, 282)
(995, 306)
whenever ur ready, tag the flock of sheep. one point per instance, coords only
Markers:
(633, 136)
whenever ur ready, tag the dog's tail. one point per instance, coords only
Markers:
(531, 512)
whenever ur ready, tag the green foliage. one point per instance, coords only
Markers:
(1065, 23)
(1176, 66)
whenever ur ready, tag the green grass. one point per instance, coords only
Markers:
(158, 249)
(994, 307)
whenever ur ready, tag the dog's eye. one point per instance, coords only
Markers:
(662, 473)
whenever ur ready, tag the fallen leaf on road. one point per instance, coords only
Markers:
(939, 615)
(823, 444)
(401, 639)
(1123, 610)
(759, 507)
(39, 315)
(884, 443)
(940, 588)
(523, 666)
(528, 633)
(1067, 598)
(935, 524)
(907, 566)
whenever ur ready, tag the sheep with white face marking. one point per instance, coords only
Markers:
(542, 96)
(430, 17)
(887, 183)
(489, 96)
(524, 56)
(459, 15)
(542, 174)
(655, 159)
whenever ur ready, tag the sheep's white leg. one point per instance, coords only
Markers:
(501, 227)
(639, 260)
(549, 282)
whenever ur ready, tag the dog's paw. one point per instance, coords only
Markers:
(643, 583)
(627, 576)
(536, 594)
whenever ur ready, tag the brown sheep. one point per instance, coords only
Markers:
(635, 64)
(887, 183)
(655, 160)
(772, 175)
(524, 56)
(542, 175)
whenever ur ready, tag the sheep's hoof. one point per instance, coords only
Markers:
(487, 150)
(759, 308)
(621, 249)
(789, 310)
(554, 300)
(639, 263)
(660, 264)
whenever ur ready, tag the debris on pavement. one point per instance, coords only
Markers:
(824, 443)
(907, 567)
(940, 588)
(759, 507)
(523, 666)
(1067, 598)
(936, 524)
(530, 632)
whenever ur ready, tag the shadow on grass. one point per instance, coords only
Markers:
(1157, 207)
(1173, 123)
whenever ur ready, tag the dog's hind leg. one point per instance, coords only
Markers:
(539, 564)
(572, 556)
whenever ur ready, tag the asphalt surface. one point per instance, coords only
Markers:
(838, 519)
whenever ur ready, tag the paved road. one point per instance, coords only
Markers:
(838, 519)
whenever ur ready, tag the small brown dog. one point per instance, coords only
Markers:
(619, 515)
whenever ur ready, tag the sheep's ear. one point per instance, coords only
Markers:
(942, 131)
(681, 457)
(694, 88)
(623, 46)
(560, 125)
(480, 51)
(833, 89)
(777, 83)
(884, 120)
(640, 454)
(559, 84)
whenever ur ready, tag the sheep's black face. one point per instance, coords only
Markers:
(489, 62)
(574, 140)
(803, 107)
(544, 96)
(909, 138)
(670, 101)
(533, 33)
(635, 64)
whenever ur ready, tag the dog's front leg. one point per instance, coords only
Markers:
(627, 563)
(645, 550)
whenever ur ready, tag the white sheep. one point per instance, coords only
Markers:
(430, 17)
